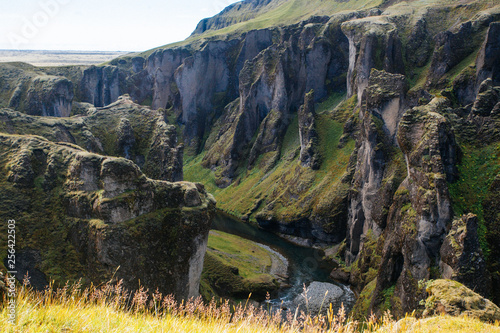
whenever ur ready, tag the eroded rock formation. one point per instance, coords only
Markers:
(102, 218)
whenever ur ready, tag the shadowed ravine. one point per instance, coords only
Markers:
(303, 263)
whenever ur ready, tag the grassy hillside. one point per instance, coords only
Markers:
(277, 13)
(293, 190)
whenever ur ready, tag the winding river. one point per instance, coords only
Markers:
(304, 263)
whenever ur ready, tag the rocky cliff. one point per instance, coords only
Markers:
(122, 128)
(85, 215)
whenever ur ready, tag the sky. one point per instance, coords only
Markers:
(100, 25)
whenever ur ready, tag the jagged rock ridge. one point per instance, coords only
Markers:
(99, 218)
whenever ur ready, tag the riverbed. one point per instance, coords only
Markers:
(304, 264)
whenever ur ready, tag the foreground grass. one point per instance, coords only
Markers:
(111, 309)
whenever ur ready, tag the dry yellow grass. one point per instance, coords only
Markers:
(111, 309)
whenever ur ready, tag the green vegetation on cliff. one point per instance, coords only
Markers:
(86, 216)
(292, 190)
(478, 169)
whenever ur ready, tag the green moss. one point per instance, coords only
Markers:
(346, 108)
(477, 170)
(387, 295)
(456, 299)
(41, 224)
(361, 308)
(330, 103)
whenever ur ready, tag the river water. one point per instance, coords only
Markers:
(304, 263)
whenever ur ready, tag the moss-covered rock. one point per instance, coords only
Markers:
(50, 96)
(462, 258)
(123, 128)
(453, 298)
(379, 170)
(309, 155)
(97, 218)
(487, 60)
(421, 209)
(373, 43)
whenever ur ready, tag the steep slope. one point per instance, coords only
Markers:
(258, 14)
(82, 215)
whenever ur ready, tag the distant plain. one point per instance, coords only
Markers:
(58, 58)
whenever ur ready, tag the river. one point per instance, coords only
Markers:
(304, 263)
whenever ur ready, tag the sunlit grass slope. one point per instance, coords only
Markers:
(110, 309)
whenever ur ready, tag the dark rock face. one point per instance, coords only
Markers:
(462, 258)
(421, 210)
(198, 79)
(484, 118)
(450, 49)
(487, 98)
(419, 46)
(487, 60)
(161, 66)
(373, 43)
(126, 137)
(100, 86)
(165, 156)
(382, 108)
(27, 261)
(199, 85)
(271, 86)
(114, 216)
(49, 96)
(309, 155)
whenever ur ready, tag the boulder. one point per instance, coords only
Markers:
(318, 296)
(453, 298)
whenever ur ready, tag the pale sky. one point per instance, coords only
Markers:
(100, 25)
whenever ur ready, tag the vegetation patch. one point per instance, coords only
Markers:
(288, 191)
(477, 171)
(237, 267)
